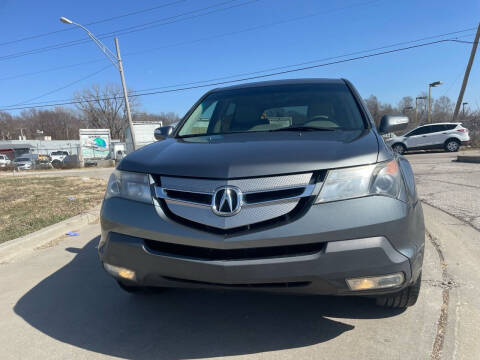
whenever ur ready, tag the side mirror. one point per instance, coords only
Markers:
(392, 123)
(163, 132)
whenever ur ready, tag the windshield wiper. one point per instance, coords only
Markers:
(304, 128)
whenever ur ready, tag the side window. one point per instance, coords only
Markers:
(437, 128)
(426, 130)
(450, 126)
(413, 132)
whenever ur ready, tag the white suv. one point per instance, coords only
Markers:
(4, 160)
(447, 136)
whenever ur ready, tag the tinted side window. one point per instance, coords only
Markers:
(450, 126)
(420, 130)
(437, 128)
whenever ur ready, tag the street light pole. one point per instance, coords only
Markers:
(116, 60)
(434, 84)
(416, 107)
(463, 109)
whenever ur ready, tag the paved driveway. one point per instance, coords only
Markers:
(60, 304)
(450, 186)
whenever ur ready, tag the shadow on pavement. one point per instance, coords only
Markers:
(417, 152)
(80, 305)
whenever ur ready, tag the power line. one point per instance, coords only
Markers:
(303, 63)
(131, 29)
(280, 67)
(92, 23)
(258, 27)
(253, 77)
(65, 86)
(11, 77)
(249, 29)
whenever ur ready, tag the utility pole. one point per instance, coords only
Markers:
(467, 74)
(125, 93)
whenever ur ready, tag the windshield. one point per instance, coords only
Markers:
(269, 108)
(23, 159)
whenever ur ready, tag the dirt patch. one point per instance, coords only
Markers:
(31, 203)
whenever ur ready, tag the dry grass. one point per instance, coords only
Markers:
(28, 204)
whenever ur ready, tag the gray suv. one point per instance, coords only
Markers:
(279, 186)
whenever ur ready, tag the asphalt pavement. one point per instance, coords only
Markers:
(450, 186)
(59, 304)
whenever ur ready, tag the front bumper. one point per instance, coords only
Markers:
(359, 237)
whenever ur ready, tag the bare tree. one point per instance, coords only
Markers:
(7, 126)
(104, 108)
(443, 109)
(59, 123)
(406, 104)
(165, 118)
(378, 109)
(373, 106)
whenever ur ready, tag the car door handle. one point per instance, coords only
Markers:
(424, 135)
(444, 133)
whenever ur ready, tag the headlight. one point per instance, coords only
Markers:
(380, 179)
(129, 185)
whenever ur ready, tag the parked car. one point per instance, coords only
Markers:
(24, 163)
(289, 186)
(4, 161)
(447, 136)
(57, 158)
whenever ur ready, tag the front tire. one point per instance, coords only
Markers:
(57, 164)
(402, 299)
(452, 145)
(399, 148)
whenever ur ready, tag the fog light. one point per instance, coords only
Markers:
(120, 272)
(376, 282)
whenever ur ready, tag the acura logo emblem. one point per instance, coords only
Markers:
(227, 201)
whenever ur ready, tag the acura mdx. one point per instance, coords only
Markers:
(273, 186)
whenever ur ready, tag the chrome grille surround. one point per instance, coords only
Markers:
(270, 197)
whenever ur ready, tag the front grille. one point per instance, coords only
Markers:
(259, 285)
(261, 199)
(210, 254)
(189, 196)
(274, 195)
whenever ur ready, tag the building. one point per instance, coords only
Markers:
(15, 148)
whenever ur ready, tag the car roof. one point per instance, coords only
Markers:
(442, 123)
(282, 82)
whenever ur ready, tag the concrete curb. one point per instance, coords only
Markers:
(468, 158)
(27, 243)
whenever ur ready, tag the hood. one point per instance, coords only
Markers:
(254, 154)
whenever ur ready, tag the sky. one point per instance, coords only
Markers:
(176, 42)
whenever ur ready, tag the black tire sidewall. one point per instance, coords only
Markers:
(399, 146)
(450, 141)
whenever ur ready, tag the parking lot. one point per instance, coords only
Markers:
(451, 187)
(60, 304)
